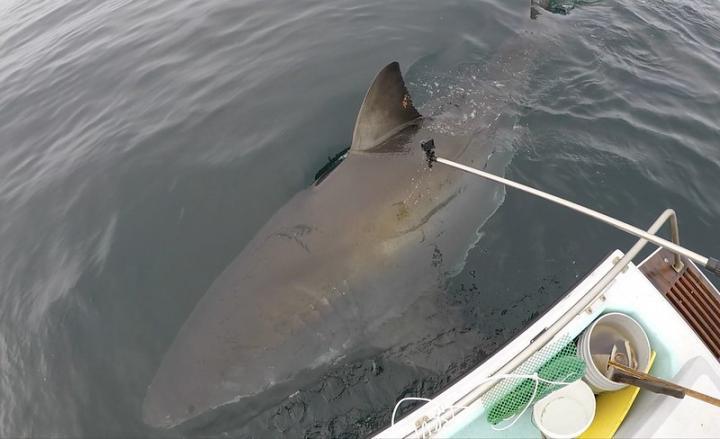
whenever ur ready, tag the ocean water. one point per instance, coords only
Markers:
(143, 143)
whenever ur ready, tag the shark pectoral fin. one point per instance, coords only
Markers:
(386, 108)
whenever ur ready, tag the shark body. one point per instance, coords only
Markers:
(340, 261)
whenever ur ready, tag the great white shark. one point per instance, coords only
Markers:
(339, 263)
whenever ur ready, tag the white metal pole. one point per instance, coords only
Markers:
(697, 258)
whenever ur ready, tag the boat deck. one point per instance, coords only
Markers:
(690, 293)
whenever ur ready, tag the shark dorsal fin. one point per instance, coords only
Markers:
(387, 107)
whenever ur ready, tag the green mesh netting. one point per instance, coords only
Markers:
(558, 361)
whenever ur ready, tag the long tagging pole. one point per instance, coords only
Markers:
(711, 264)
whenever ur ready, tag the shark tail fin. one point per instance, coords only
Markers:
(562, 7)
(386, 108)
(536, 6)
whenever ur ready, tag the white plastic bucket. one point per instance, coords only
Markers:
(627, 328)
(565, 413)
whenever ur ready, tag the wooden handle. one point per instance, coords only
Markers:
(624, 374)
(652, 386)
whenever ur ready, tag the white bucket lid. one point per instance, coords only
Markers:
(565, 413)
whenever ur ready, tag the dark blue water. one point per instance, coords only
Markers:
(143, 143)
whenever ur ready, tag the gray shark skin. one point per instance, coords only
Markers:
(339, 263)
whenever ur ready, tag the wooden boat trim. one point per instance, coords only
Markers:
(690, 293)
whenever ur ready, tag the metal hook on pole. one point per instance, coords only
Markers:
(711, 264)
